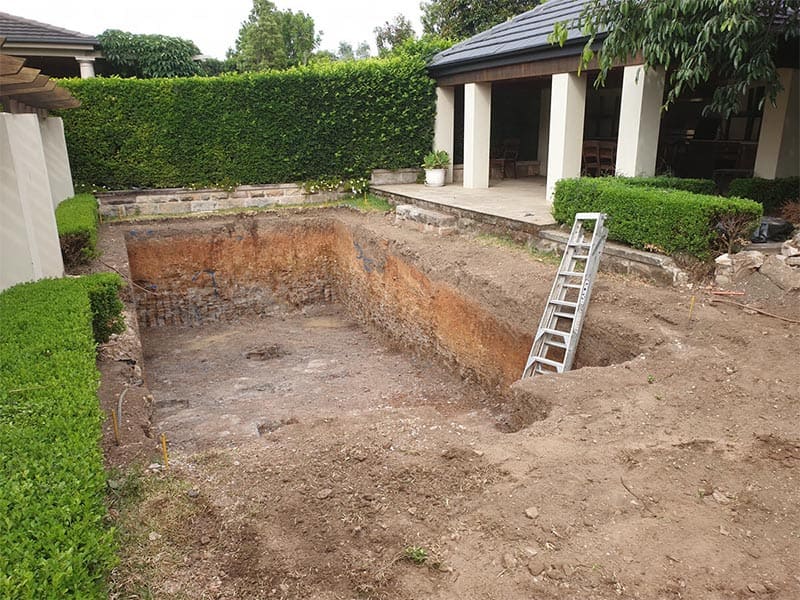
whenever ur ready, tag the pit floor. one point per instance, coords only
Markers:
(225, 384)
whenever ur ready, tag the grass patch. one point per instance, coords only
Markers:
(504, 241)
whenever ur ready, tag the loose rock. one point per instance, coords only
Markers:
(757, 588)
(532, 512)
(324, 493)
(510, 561)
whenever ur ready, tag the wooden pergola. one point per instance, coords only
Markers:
(23, 89)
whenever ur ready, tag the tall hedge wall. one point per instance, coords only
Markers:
(337, 119)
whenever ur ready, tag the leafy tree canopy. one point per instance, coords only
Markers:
(425, 47)
(734, 41)
(274, 39)
(393, 33)
(346, 51)
(147, 56)
(460, 19)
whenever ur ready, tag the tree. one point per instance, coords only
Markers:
(460, 19)
(734, 41)
(393, 33)
(146, 56)
(274, 39)
(363, 51)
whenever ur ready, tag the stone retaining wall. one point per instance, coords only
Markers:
(176, 201)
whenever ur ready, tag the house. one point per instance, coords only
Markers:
(34, 171)
(56, 51)
(510, 86)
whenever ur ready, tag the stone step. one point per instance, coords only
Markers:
(425, 220)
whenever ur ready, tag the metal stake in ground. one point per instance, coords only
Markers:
(556, 341)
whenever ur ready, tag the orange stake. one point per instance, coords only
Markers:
(164, 451)
(115, 425)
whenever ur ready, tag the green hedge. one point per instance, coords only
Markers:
(696, 186)
(771, 193)
(336, 119)
(53, 538)
(672, 221)
(77, 221)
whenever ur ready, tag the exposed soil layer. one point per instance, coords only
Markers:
(353, 444)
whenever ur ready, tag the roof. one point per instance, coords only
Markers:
(19, 29)
(521, 39)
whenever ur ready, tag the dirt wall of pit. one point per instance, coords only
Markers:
(249, 267)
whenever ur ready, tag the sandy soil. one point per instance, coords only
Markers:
(309, 459)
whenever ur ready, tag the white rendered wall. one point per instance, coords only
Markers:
(544, 131)
(443, 135)
(29, 247)
(567, 110)
(779, 139)
(57, 159)
(639, 121)
(477, 129)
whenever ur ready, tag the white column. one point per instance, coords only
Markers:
(443, 137)
(57, 159)
(29, 247)
(87, 66)
(477, 128)
(639, 121)
(544, 131)
(567, 109)
(779, 139)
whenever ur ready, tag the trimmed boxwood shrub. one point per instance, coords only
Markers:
(671, 221)
(338, 119)
(696, 186)
(771, 193)
(53, 538)
(76, 219)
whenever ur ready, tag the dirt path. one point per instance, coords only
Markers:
(670, 475)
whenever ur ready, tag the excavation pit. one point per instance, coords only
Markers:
(266, 319)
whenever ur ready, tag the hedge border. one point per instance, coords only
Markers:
(669, 221)
(770, 193)
(77, 221)
(54, 539)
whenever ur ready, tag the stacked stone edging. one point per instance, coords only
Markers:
(176, 201)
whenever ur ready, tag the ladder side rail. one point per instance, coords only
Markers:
(556, 292)
(592, 265)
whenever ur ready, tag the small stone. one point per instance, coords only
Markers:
(532, 512)
(531, 551)
(757, 588)
(556, 572)
(723, 530)
(193, 493)
(324, 493)
(154, 467)
(153, 536)
(536, 566)
(205, 540)
(720, 497)
(510, 561)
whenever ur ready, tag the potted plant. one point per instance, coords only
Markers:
(435, 165)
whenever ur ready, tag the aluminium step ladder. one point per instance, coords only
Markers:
(556, 339)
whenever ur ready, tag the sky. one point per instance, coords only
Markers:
(213, 26)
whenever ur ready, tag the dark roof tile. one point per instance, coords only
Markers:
(524, 34)
(19, 29)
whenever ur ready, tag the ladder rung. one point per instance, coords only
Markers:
(573, 286)
(571, 274)
(548, 362)
(563, 315)
(579, 244)
(555, 344)
(564, 303)
(581, 256)
(564, 334)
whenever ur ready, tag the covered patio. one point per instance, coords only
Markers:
(510, 87)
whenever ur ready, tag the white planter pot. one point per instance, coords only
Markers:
(435, 177)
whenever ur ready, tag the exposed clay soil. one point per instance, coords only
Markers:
(310, 449)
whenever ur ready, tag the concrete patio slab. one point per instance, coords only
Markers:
(514, 199)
